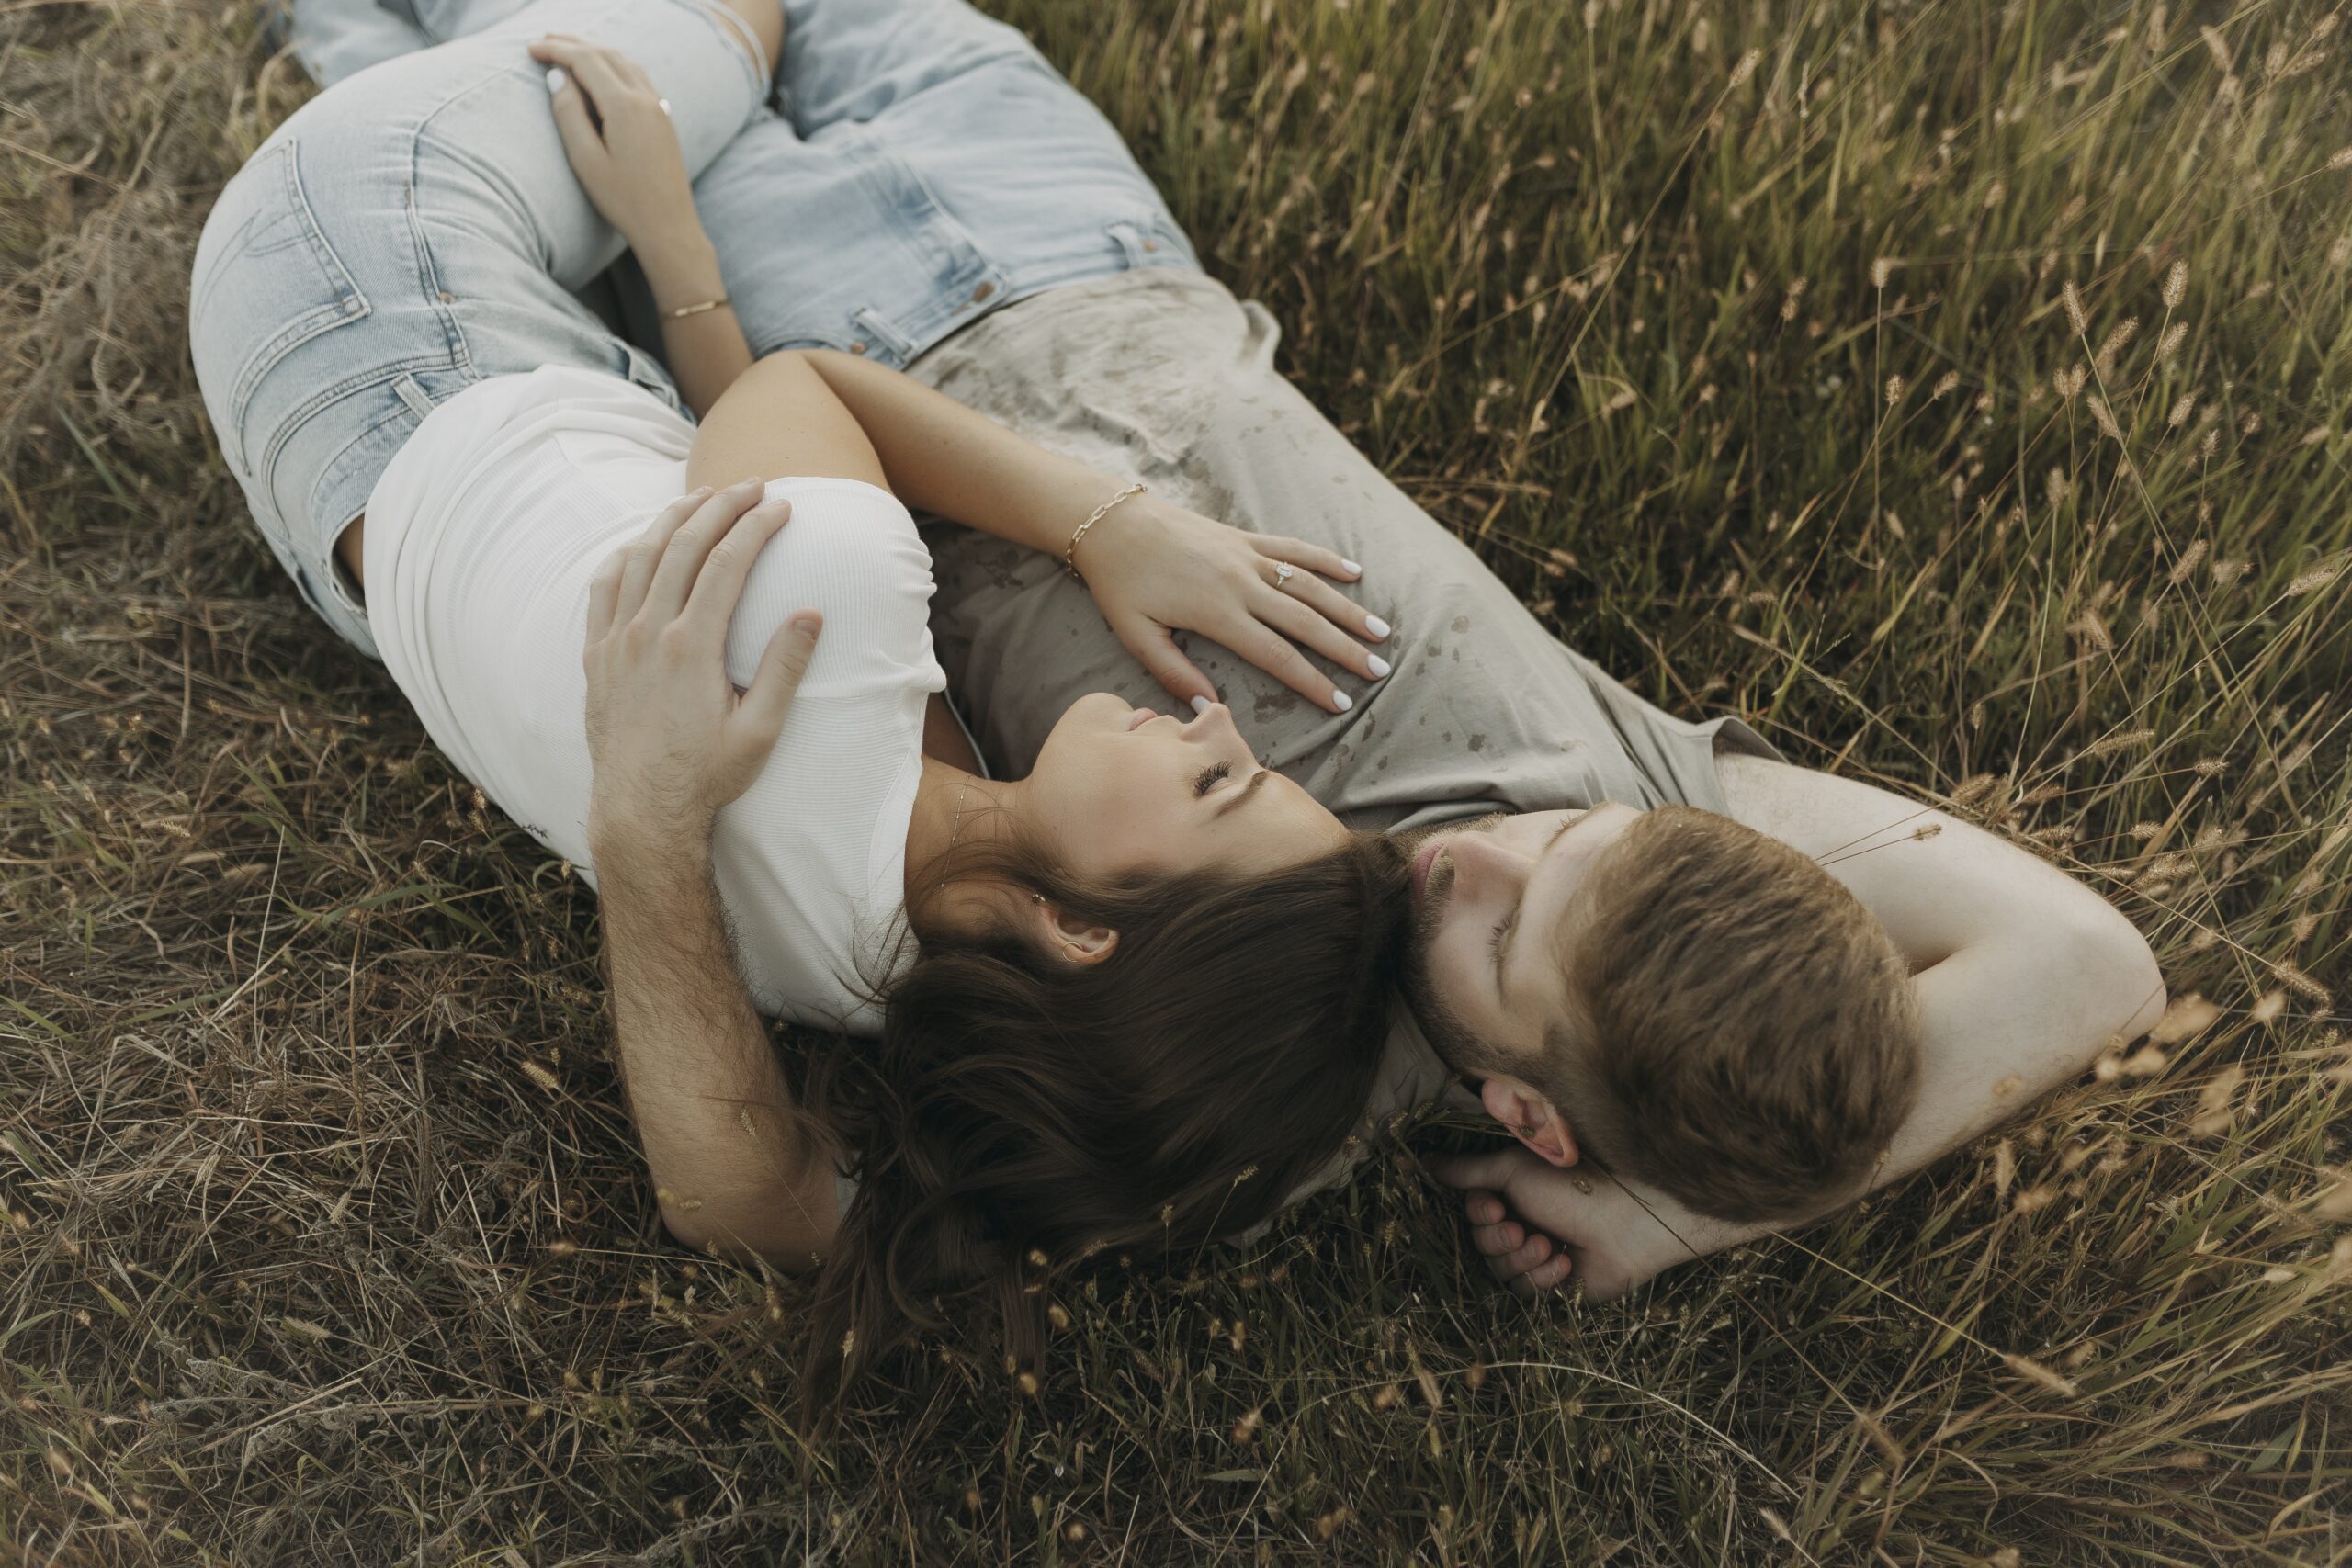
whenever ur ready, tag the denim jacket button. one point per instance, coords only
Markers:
(858, 347)
(1151, 245)
(982, 292)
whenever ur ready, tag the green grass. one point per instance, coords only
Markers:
(324, 1239)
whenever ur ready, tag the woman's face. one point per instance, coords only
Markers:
(1119, 790)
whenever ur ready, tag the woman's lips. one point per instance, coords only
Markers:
(1139, 718)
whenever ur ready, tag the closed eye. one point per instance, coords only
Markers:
(1210, 776)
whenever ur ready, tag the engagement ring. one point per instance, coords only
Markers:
(1282, 570)
(664, 103)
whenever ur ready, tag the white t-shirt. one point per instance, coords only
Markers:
(482, 536)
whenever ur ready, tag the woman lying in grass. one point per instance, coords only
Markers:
(1104, 991)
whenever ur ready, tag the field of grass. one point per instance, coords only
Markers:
(1962, 390)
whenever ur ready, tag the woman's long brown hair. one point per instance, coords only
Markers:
(1020, 1114)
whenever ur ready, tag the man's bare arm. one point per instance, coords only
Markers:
(703, 1088)
(672, 741)
(2022, 975)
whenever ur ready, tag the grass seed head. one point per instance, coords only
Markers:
(2077, 319)
(2034, 1371)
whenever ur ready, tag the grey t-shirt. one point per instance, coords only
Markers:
(1161, 374)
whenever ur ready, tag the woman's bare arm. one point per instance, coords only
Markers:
(710, 1103)
(1153, 566)
(624, 150)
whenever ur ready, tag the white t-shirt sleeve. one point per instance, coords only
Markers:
(816, 846)
(481, 542)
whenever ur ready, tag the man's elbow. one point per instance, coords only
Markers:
(2123, 968)
(794, 1249)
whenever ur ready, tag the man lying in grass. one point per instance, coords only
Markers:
(1747, 992)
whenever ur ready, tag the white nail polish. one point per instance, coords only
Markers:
(556, 79)
(1353, 568)
(1379, 666)
(1200, 704)
(1342, 701)
(1375, 626)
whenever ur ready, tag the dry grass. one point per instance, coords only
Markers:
(1796, 382)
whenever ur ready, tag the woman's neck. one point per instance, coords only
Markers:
(955, 809)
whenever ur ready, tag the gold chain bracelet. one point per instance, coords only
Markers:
(682, 311)
(1069, 551)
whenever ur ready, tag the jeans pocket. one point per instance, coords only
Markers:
(266, 283)
(644, 372)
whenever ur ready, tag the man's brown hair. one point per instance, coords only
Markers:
(1741, 1032)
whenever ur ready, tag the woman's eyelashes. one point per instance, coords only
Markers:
(1209, 776)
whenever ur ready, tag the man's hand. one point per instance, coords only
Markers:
(1539, 1231)
(670, 738)
(672, 741)
(1527, 1262)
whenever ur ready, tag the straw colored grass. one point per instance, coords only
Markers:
(1785, 356)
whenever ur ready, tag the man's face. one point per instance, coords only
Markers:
(1499, 909)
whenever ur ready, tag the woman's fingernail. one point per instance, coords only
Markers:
(1200, 704)
(1375, 626)
(1353, 570)
(1379, 666)
(556, 79)
(1342, 701)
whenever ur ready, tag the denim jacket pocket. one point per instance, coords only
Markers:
(268, 285)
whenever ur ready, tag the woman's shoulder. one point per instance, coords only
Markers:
(859, 497)
(851, 552)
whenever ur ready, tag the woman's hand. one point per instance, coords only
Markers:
(669, 738)
(1155, 569)
(617, 131)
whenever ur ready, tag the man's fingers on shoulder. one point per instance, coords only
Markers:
(783, 665)
(794, 647)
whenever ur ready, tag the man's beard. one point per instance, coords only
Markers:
(1455, 1046)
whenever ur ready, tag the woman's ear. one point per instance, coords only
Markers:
(1531, 1117)
(1074, 941)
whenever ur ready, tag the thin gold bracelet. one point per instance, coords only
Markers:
(1069, 551)
(684, 310)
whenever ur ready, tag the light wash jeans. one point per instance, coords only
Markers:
(416, 228)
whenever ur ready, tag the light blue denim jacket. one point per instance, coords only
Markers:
(415, 229)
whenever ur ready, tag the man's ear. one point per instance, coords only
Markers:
(1067, 937)
(1531, 1117)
